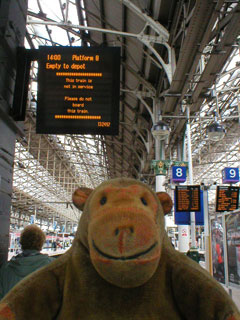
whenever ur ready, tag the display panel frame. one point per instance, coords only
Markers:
(231, 203)
(193, 195)
(64, 74)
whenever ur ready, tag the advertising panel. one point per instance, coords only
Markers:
(218, 267)
(232, 222)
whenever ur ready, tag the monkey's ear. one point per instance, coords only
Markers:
(80, 196)
(166, 201)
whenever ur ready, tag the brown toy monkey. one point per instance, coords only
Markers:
(121, 266)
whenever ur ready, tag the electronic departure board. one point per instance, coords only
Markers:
(78, 90)
(188, 198)
(227, 198)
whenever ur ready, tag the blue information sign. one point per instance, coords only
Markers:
(230, 175)
(179, 174)
(54, 225)
(183, 217)
(32, 219)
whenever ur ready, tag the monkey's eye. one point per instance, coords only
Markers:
(144, 201)
(103, 200)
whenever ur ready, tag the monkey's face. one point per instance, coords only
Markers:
(125, 234)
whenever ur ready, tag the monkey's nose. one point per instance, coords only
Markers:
(128, 230)
(124, 236)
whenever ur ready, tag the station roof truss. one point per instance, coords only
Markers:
(175, 56)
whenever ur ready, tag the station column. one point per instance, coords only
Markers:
(12, 31)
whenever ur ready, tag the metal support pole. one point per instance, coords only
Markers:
(160, 179)
(206, 230)
(190, 170)
(238, 105)
(159, 151)
(35, 214)
(183, 230)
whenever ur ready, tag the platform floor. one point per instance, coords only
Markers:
(235, 294)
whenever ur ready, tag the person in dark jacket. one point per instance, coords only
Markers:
(32, 239)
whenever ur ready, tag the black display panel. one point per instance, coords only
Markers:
(78, 90)
(227, 198)
(188, 198)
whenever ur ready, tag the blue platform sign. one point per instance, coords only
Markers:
(54, 225)
(32, 219)
(230, 175)
(179, 174)
(183, 217)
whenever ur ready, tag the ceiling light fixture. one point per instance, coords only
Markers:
(216, 131)
(160, 130)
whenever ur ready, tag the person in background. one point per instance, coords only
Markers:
(32, 239)
(54, 245)
(193, 253)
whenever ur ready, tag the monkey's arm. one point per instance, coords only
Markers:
(198, 295)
